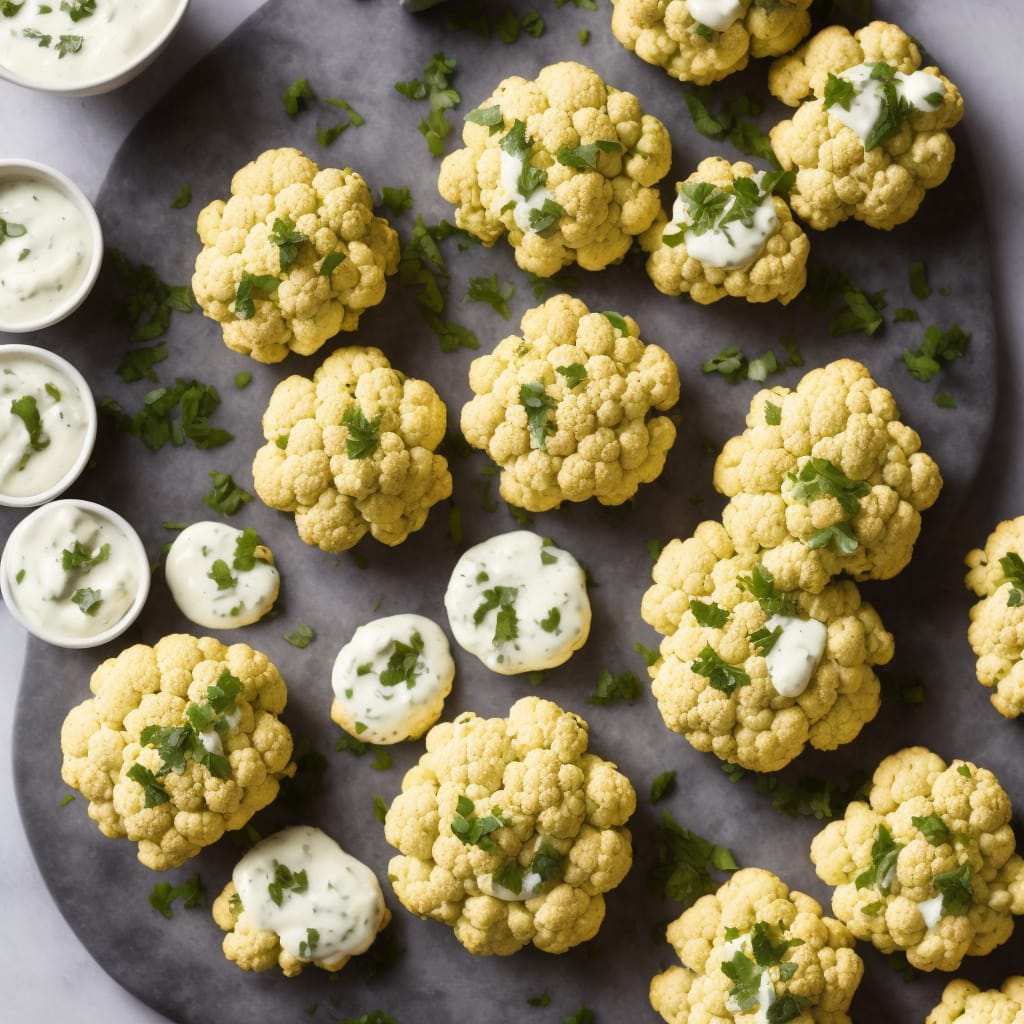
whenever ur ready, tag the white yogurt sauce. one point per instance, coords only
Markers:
(27, 469)
(931, 911)
(511, 168)
(113, 37)
(518, 603)
(866, 104)
(390, 680)
(48, 259)
(716, 14)
(796, 653)
(74, 602)
(533, 885)
(732, 247)
(336, 915)
(191, 577)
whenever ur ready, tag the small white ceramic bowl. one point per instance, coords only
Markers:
(64, 374)
(47, 625)
(114, 74)
(14, 171)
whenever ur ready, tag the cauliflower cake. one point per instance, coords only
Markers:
(566, 409)
(179, 744)
(509, 831)
(351, 451)
(751, 673)
(293, 257)
(756, 947)
(927, 866)
(564, 164)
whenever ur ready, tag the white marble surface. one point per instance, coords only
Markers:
(43, 968)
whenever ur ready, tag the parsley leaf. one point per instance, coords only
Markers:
(720, 674)
(301, 636)
(610, 688)
(435, 86)
(297, 97)
(839, 92)
(88, 600)
(183, 197)
(938, 347)
(772, 414)
(156, 424)
(138, 363)
(246, 546)
(403, 662)
(191, 892)
(144, 300)
(764, 639)
(537, 402)
(761, 585)
(220, 573)
(27, 411)
(683, 862)
(933, 828)
(287, 240)
(1013, 572)
(79, 557)
(363, 434)
(708, 613)
(285, 882)
(476, 831)
(584, 158)
(918, 274)
(153, 792)
(506, 625)
(661, 785)
(495, 293)
(544, 220)
(575, 374)
(955, 886)
(226, 497)
(490, 117)
(397, 200)
(245, 306)
(884, 851)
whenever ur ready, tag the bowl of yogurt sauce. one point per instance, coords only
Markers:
(47, 425)
(51, 245)
(84, 47)
(74, 573)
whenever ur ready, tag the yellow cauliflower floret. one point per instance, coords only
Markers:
(564, 164)
(753, 712)
(997, 621)
(670, 34)
(180, 743)
(311, 239)
(565, 409)
(802, 958)
(836, 176)
(967, 1004)
(778, 270)
(838, 484)
(510, 832)
(351, 451)
(927, 865)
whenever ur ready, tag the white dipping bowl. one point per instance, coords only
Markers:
(52, 635)
(113, 76)
(12, 171)
(64, 371)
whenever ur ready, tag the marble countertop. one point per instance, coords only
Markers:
(43, 968)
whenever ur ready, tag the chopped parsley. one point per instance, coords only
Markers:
(397, 200)
(490, 117)
(297, 97)
(938, 348)
(220, 573)
(192, 893)
(403, 662)
(733, 120)
(226, 497)
(245, 305)
(435, 86)
(1013, 573)
(732, 364)
(138, 363)
(918, 274)
(492, 291)
(307, 946)
(575, 374)
(933, 828)
(330, 262)
(610, 688)
(544, 220)
(506, 623)
(955, 886)
(153, 793)
(537, 402)
(772, 414)
(764, 639)
(662, 785)
(380, 807)
(183, 197)
(895, 108)
(286, 882)
(551, 621)
(708, 613)
(88, 600)
(301, 636)
(884, 851)
(79, 557)
(27, 411)
(584, 158)
(819, 478)
(683, 862)
(720, 674)
(746, 974)
(543, 999)
(363, 434)
(519, 145)
(144, 301)
(288, 241)
(760, 584)
(474, 830)
(649, 654)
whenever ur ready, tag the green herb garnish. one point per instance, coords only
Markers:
(720, 674)
(683, 862)
(403, 662)
(27, 411)
(476, 831)
(226, 497)
(245, 306)
(183, 197)
(435, 86)
(145, 301)
(138, 363)
(286, 881)
(764, 639)
(397, 200)
(506, 623)
(297, 96)
(363, 434)
(933, 828)
(153, 792)
(884, 851)
(1013, 573)
(492, 291)
(761, 585)
(955, 886)
(301, 636)
(938, 348)
(610, 688)
(708, 613)
(191, 892)
(287, 240)
(661, 785)
(79, 557)
(575, 374)
(490, 117)
(545, 219)
(88, 600)
(585, 158)
(537, 402)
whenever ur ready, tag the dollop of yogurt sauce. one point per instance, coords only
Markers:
(511, 168)
(44, 248)
(43, 422)
(766, 995)
(732, 246)
(73, 572)
(716, 14)
(333, 912)
(922, 90)
(931, 911)
(82, 40)
(390, 680)
(221, 577)
(518, 603)
(795, 654)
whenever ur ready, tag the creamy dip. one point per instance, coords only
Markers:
(390, 680)
(931, 911)
(43, 424)
(71, 572)
(53, 49)
(324, 905)
(518, 603)
(45, 248)
(795, 654)
(217, 580)
(716, 14)
(511, 168)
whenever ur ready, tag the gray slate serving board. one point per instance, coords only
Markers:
(223, 114)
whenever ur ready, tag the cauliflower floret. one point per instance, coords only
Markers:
(351, 451)
(180, 743)
(510, 832)
(754, 944)
(774, 266)
(743, 701)
(565, 164)
(967, 1004)
(997, 621)
(293, 257)
(670, 34)
(565, 410)
(826, 479)
(927, 866)
(836, 176)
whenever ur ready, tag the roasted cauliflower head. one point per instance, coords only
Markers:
(566, 409)
(293, 257)
(752, 673)
(564, 164)
(927, 866)
(179, 743)
(350, 451)
(826, 479)
(871, 134)
(509, 831)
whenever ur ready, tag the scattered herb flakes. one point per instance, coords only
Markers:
(565, 280)
(584, 36)
(772, 414)
(68, 797)
(944, 400)
(144, 301)
(662, 785)
(381, 760)
(720, 674)
(492, 291)
(330, 262)
(955, 886)
(225, 497)
(435, 86)
(683, 862)
(297, 97)
(287, 240)
(153, 793)
(963, 770)
(649, 654)
(653, 546)
(918, 274)
(243, 379)
(137, 364)
(1013, 573)
(575, 374)
(285, 882)
(904, 315)
(192, 893)
(610, 688)
(380, 807)
(183, 197)
(932, 827)
(88, 600)
(302, 636)
(397, 200)
(733, 119)
(938, 348)
(863, 313)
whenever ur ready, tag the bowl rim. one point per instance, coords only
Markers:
(13, 167)
(111, 81)
(44, 355)
(51, 636)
